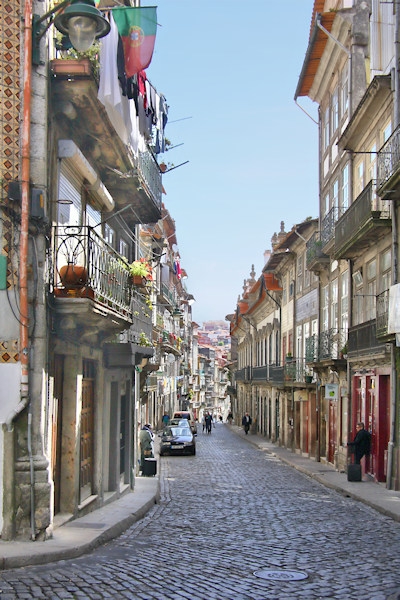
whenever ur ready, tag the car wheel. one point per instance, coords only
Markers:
(194, 451)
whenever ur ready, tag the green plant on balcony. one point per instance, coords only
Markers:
(144, 340)
(140, 267)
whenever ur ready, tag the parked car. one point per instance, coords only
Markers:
(185, 414)
(179, 423)
(177, 440)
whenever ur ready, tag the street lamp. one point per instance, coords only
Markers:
(81, 21)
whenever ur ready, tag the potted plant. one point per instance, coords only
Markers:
(343, 352)
(140, 270)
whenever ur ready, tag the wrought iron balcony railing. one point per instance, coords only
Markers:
(359, 221)
(296, 370)
(328, 225)
(363, 339)
(382, 314)
(150, 176)
(388, 162)
(314, 254)
(84, 265)
(328, 345)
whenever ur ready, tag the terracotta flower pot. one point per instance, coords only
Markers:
(73, 276)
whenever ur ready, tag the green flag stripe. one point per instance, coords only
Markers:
(143, 17)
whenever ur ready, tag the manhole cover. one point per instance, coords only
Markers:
(280, 575)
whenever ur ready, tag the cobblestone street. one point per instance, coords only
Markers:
(233, 523)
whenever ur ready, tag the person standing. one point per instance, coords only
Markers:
(230, 418)
(146, 444)
(361, 443)
(246, 422)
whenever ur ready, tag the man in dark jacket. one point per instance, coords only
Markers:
(361, 443)
(246, 422)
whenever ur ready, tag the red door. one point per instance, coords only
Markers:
(379, 425)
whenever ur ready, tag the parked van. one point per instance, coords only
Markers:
(185, 414)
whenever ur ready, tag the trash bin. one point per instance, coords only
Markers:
(149, 467)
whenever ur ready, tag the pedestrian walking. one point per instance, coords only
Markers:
(361, 445)
(165, 419)
(230, 418)
(209, 422)
(246, 422)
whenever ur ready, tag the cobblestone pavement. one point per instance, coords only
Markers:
(233, 523)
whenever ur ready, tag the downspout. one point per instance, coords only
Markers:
(395, 249)
(23, 264)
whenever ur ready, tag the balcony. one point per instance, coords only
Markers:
(363, 340)
(89, 278)
(389, 166)
(328, 227)
(382, 316)
(359, 226)
(79, 115)
(167, 294)
(315, 258)
(327, 347)
(296, 371)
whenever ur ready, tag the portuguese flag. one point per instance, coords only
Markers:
(137, 28)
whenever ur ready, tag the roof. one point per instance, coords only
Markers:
(316, 46)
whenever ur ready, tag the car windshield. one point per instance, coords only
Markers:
(177, 431)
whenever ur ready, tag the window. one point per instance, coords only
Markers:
(109, 234)
(335, 111)
(325, 308)
(326, 204)
(326, 131)
(370, 304)
(335, 194)
(386, 273)
(359, 178)
(344, 196)
(358, 312)
(123, 248)
(299, 274)
(93, 216)
(291, 284)
(387, 132)
(344, 303)
(345, 92)
(334, 304)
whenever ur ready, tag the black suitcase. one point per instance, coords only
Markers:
(150, 467)
(353, 472)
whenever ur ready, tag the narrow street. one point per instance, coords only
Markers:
(233, 523)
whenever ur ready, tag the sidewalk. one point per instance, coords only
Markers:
(86, 533)
(371, 493)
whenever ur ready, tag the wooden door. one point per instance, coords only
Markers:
(332, 430)
(87, 433)
(56, 450)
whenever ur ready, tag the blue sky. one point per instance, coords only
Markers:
(229, 70)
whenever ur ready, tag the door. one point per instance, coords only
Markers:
(87, 433)
(123, 424)
(306, 427)
(332, 430)
(56, 452)
(379, 425)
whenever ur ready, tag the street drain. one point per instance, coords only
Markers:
(280, 575)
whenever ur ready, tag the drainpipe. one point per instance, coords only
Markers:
(395, 249)
(23, 264)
